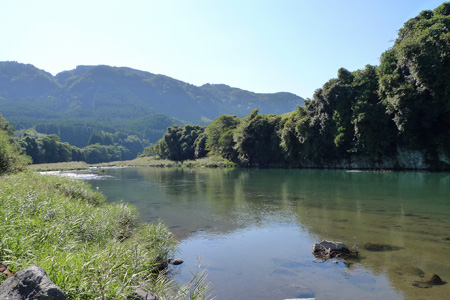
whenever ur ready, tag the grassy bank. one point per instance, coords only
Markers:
(207, 162)
(71, 165)
(90, 249)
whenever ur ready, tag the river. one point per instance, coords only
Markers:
(253, 230)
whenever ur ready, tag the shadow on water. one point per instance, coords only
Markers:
(255, 228)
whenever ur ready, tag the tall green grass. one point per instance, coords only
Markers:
(90, 249)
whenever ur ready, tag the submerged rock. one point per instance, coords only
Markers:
(175, 261)
(330, 249)
(31, 283)
(379, 247)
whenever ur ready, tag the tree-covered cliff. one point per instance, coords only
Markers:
(395, 115)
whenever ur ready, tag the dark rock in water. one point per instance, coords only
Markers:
(329, 249)
(143, 294)
(31, 283)
(428, 281)
(175, 261)
(379, 247)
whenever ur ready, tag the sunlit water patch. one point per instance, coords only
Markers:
(275, 262)
(83, 175)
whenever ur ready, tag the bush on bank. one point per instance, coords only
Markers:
(90, 249)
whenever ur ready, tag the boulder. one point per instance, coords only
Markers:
(143, 294)
(329, 249)
(29, 284)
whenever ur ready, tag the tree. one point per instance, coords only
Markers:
(256, 140)
(31, 148)
(11, 157)
(220, 136)
(375, 133)
(178, 143)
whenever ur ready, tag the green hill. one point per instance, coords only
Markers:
(120, 99)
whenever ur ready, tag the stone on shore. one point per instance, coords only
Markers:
(29, 284)
(143, 294)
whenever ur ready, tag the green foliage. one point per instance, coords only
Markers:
(220, 136)
(54, 150)
(11, 157)
(100, 153)
(200, 145)
(415, 80)
(108, 147)
(148, 151)
(48, 148)
(256, 140)
(179, 143)
(5, 126)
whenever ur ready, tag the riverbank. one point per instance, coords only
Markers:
(89, 248)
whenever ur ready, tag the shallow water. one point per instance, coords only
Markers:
(252, 230)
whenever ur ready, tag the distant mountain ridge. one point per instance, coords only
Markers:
(104, 92)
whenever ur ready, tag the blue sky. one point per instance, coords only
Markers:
(257, 45)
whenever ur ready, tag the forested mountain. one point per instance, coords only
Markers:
(395, 115)
(107, 93)
(122, 110)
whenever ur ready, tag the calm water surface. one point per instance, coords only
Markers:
(252, 230)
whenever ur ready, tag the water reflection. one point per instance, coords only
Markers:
(255, 228)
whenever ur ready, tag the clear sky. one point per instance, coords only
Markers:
(258, 45)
